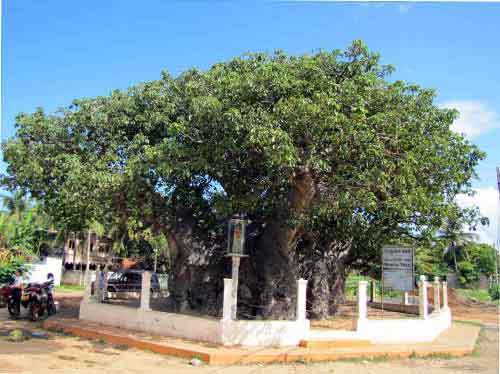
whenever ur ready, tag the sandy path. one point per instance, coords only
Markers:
(64, 354)
(72, 355)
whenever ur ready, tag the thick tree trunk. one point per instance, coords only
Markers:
(327, 271)
(272, 257)
(318, 295)
(337, 288)
(275, 285)
(326, 288)
(267, 283)
(196, 283)
(196, 277)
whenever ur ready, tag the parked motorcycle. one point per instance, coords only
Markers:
(37, 298)
(4, 296)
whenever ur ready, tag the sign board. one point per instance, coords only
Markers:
(398, 268)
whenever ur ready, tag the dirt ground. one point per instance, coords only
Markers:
(65, 354)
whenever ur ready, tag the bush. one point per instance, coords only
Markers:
(467, 273)
(8, 268)
(474, 294)
(494, 292)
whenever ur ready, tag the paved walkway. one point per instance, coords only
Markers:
(457, 341)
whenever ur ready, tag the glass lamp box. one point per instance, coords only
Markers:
(236, 237)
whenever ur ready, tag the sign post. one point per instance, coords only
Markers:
(398, 264)
(235, 249)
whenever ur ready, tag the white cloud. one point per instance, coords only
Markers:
(487, 201)
(404, 8)
(476, 118)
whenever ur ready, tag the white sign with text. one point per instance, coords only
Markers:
(398, 268)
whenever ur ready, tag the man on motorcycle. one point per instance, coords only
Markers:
(50, 282)
(17, 290)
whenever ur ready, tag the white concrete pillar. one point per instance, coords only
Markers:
(227, 303)
(234, 293)
(301, 299)
(97, 287)
(362, 299)
(406, 300)
(445, 295)
(87, 296)
(105, 286)
(145, 290)
(422, 298)
(437, 299)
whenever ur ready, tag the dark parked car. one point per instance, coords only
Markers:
(130, 281)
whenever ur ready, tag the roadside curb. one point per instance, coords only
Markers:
(215, 355)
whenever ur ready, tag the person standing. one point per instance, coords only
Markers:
(50, 282)
(102, 284)
(17, 290)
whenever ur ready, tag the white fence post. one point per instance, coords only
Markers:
(145, 290)
(97, 286)
(437, 301)
(301, 299)
(422, 298)
(406, 299)
(105, 286)
(87, 296)
(362, 299)
(445, 295)
(227, 303)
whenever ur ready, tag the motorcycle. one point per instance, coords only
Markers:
(37, 298)
(4, 295)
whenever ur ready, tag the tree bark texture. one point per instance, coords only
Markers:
(267, 282)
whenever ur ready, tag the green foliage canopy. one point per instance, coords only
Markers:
(317, 149)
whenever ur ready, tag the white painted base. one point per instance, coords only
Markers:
(328, 334)
(157, 323)
(404, 330)
(226, 332)
(264, 333)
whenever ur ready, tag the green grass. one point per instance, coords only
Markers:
(352, 287)
(475, 294)
(68, 288)
(370, 359)
(466, 322)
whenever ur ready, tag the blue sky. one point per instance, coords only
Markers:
(54, 51)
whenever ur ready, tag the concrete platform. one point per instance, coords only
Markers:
(335, 343)
(458, 340)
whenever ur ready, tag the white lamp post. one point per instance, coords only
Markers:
(235, 250)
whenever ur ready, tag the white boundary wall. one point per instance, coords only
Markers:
(230, 332)
(424, 329)
(225, 331)
(404, 330)
(264, 333)
(76, 277)
(38, 270)
(158, 323)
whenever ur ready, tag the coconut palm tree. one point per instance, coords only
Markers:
(15, 204)
(456, 240)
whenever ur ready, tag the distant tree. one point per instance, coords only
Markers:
(16, 203)
(480, 259)
(457, 234)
